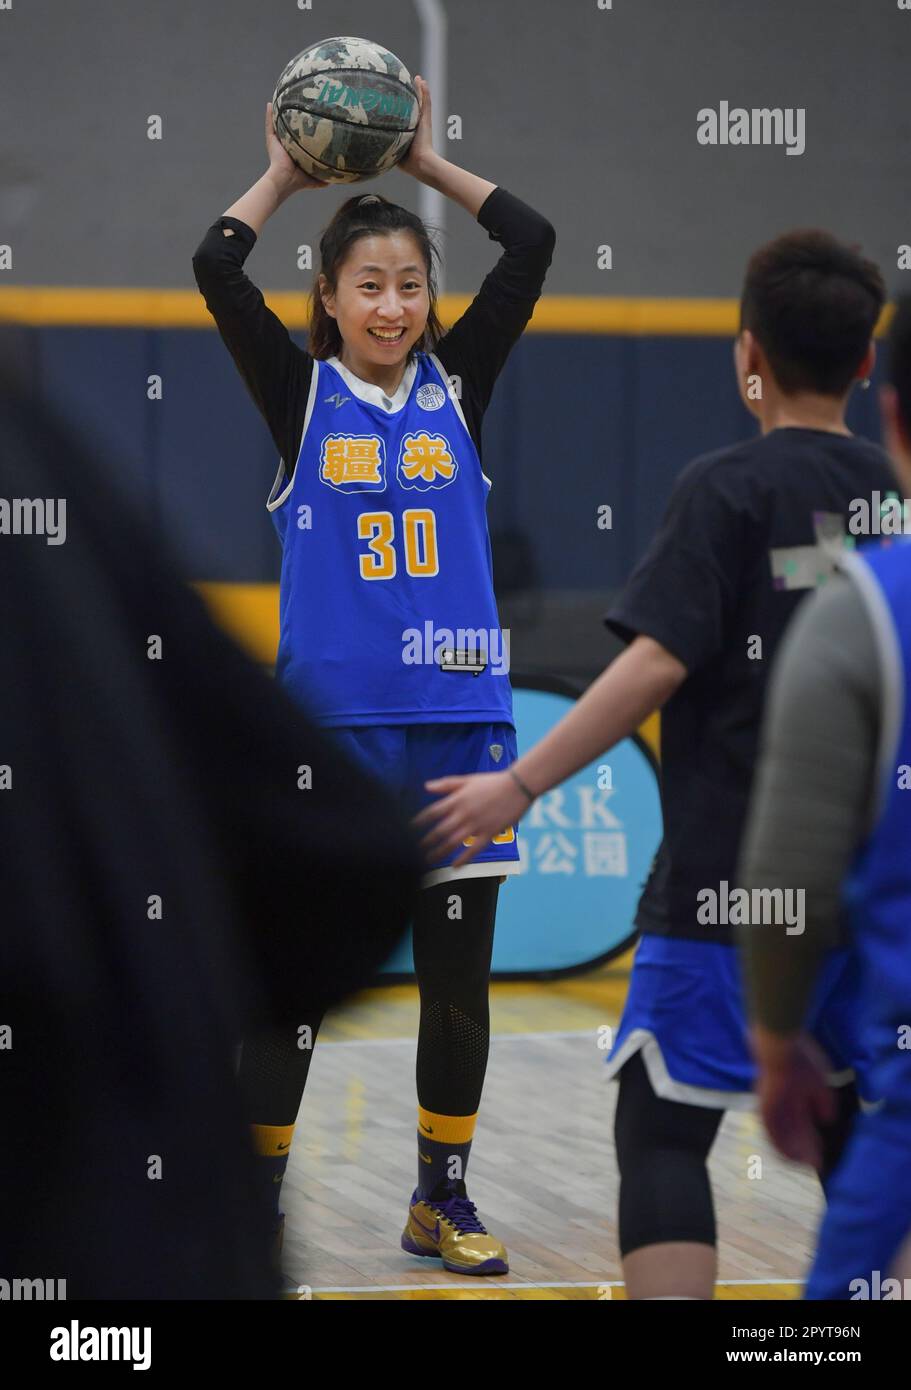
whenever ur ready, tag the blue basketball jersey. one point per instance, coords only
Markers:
(387, 607)
(878, 888)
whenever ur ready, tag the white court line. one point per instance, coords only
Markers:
(541, 1284)
(494, 1037)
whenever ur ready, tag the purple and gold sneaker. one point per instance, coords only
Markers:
(446, 1224)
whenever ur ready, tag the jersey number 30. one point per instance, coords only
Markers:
(419, 527)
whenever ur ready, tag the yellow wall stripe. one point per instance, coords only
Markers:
(50, 306)
(650, 733)
(249, 612)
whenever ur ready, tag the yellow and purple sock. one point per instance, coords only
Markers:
(272, 1144)
(444, 1143)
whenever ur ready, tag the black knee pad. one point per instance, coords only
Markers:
(662, 1150)
(452, 964)
(273, 1069)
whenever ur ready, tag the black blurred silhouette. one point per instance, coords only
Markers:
(124, 1162)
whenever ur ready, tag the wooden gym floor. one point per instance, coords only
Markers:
(542, 1169)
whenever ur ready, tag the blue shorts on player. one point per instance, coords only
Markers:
(685, 1012)
(405, 756)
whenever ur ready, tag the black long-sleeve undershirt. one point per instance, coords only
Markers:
(277, 372)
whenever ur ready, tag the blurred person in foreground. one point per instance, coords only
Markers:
(831, 815)
(167, 878)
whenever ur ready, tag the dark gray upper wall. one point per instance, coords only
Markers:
(588, 114)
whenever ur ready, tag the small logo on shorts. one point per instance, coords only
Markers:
(496, 751)
(430, 397)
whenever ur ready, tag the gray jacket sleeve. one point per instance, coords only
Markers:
(813, 794)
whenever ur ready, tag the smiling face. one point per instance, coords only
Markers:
(381, 299)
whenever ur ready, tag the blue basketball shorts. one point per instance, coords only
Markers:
(868, 1214)
(685, 1010)
(405, 756)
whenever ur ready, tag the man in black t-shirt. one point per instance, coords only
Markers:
(748, 532)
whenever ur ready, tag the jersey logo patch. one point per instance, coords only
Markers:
(430, 397)
(426, 461)
(811, 566)
(338, 398)
(353, 462)
(474, 662)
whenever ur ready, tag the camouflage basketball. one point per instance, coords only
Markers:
(345, 109)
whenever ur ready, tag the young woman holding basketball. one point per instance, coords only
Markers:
(380, 503)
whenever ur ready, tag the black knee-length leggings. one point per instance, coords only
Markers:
(662, 1153)
(453, 941)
